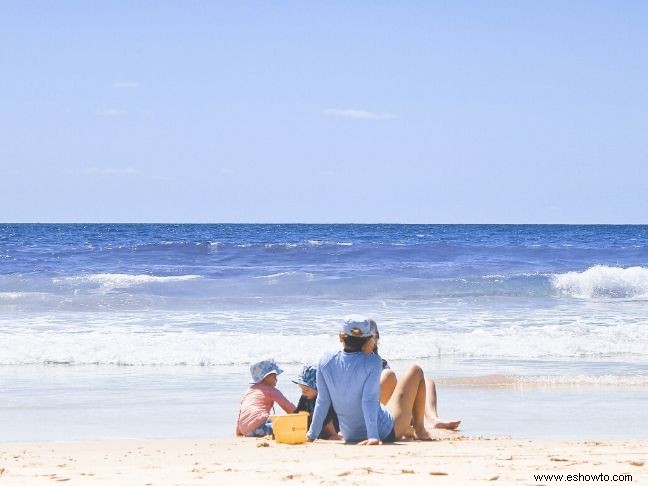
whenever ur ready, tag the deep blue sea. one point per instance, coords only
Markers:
(543, 304)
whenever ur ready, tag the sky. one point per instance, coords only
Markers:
(324, 112)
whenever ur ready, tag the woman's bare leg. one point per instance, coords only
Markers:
(407, 404)
(431, 408)
(431, 402)
(388, 383)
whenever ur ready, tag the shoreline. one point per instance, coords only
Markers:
(450, 459)
(53, 404)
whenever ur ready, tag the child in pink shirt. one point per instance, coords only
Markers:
(259, 399)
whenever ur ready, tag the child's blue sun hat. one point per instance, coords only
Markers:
(307, 377)
(260, 370)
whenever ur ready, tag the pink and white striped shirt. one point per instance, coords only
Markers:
(256, 404)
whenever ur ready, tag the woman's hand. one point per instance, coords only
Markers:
(370, 442)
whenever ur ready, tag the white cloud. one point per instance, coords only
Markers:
(125, 85)
(111, 112)
(358, 114)
(110, 171)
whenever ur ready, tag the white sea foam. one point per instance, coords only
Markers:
(280, 245)
(587, 380)
(135, 343)
(602, 281)
(8, 296)
(276, 275)
(122, 280)
(576, 380)
(553, 341)
(325, 242)
(287, 275)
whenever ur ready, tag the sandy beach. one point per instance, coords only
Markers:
(450, 459)
(213, 212)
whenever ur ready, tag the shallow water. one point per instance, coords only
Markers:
(78, 403)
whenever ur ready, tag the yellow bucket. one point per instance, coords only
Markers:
(291, 428)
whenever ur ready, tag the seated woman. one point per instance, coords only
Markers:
(388, 382)
(349, 380)
(388, 378)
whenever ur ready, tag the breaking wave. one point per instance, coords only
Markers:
(602, 281)
(133, 344)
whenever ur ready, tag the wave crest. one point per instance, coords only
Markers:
(122, 280)
(601, 281)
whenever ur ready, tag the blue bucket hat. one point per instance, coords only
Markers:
(307, 377)
(356, 325)
(264, 368)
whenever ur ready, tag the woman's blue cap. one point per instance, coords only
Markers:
(356, 325)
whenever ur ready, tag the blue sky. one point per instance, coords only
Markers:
(410, 112)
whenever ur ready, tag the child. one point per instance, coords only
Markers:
(308, 384)
(259, 399)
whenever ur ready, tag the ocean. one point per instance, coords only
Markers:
(148, 330)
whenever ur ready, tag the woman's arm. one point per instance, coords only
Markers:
(322, 405)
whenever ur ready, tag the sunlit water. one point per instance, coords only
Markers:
(148, 330)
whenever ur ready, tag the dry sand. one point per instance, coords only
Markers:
(451, 459)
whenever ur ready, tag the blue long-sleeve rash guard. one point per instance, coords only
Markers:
(351, 382)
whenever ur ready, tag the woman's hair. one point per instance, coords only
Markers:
(376, 334)
(354, 343)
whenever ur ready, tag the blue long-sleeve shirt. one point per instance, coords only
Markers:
(351, 382)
